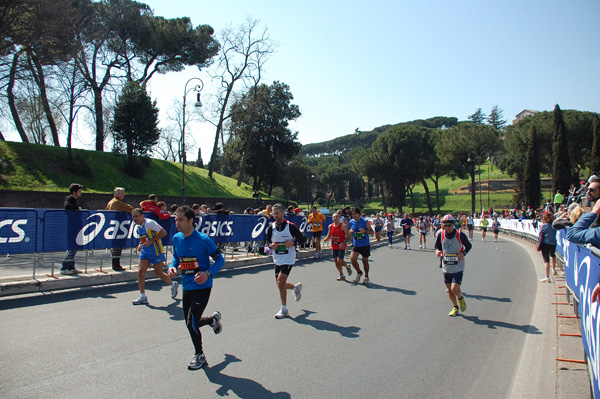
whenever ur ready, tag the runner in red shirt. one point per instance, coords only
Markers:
(338, 233)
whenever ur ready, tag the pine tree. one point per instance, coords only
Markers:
(595, 162)
(478, 117)
(561, 167)
(532, 183)
(495, 118)
(135, 126)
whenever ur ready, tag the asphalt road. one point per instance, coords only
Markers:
(390, 339)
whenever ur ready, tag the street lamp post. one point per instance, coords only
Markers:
(197, 88)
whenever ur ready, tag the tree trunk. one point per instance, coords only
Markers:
(213, 157)
(428, 195)
(2, 137)
(244, 159)
(11, 99)
(383, 201)
(437, 193)
(412, 199)
(99, 109)
(38, 73)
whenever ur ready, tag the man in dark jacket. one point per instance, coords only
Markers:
(68, 264)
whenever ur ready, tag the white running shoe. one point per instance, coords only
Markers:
(366, 280)
(174, 288)
(298, 291)
(349, 270)
(419, 246)
(545, 280)
(282, 314)
(341, 278)
(197, 362)
(358, 276)
(142, 300)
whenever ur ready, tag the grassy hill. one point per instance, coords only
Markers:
(43, 168)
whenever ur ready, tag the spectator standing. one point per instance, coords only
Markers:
(547, 245)
(75, 190)
(256, 195)
(558, 200)
(151, 205)
(117, 204)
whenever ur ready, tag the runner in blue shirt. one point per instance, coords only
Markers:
(192, 251)
(360, 230)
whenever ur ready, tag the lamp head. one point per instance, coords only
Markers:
(198, 102)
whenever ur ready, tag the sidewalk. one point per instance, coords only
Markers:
(555, 310)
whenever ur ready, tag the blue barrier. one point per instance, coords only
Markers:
(581, 275)
(50, 230)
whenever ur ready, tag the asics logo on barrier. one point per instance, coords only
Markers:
(260, 227)
(215, 228)
(304, 226)
(15, 229)
(115, 231)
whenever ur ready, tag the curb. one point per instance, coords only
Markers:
(20, 286)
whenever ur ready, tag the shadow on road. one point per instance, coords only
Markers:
(486, 298)
(390, 289)
(240, 387)
(348, 332)
(492, 324)
(109, 291)
(173, 309)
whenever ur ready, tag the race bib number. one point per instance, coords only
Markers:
(281, 249)
(359, 236)
(335, 240)
(143, 239)
(189, 265)
(451, 259)
(317, 225)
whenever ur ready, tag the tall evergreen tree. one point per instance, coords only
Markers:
(532, 183)
(478, 117)
(595, 162)
(561, 166)
(135, 126)
(495, 118)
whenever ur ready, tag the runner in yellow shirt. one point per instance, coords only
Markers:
(316, 219)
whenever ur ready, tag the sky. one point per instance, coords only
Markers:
(356, 64)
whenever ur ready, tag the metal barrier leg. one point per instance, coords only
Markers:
(52, 272)
(100, 270)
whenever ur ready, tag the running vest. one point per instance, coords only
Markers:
(338, 237)
(146, 233)
(422, 226)
(451, 247)
(484, 223)
(283, 255)
(469, 221)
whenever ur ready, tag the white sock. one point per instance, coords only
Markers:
(143, 296)
(283, 307)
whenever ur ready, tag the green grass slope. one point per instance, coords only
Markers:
(43, 168)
